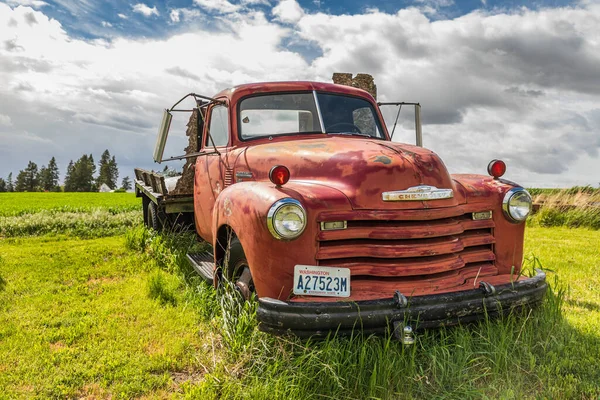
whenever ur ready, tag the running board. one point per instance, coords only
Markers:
(203, 263)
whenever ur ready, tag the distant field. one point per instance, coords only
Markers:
(12, 204)
(85, 215)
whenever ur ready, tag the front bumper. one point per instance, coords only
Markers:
(378, 316)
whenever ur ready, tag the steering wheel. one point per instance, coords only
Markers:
(343, 127)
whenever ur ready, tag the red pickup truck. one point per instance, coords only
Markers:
(310, 206)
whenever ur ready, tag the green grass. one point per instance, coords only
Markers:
(124, 316)
(75, 320)
(12, 204)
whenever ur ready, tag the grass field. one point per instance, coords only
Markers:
(84, 215)
(122, 316)
(12, 204)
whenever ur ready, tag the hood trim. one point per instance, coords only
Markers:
(418, 193)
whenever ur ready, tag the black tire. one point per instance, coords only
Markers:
(152, 217)
(145, 203)
(237, 264)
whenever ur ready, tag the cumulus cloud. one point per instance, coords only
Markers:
(143, 9)
(178, 14)
(523, 86)
(220, 6)
(122, 16)
(31, 3)
(288, 11)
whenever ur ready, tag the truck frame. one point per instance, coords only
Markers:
(310, 207)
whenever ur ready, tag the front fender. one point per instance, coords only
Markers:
(244, 206)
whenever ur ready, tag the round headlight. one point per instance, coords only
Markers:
(516, 205)
(286, 219)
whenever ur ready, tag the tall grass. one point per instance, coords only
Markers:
(96, 223)
(453, 362)
(574, 208)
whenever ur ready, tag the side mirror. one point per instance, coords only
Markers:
(161, 140)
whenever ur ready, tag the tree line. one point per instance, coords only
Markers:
(79, 177)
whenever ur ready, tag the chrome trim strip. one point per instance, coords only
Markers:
(273, 210)
(418, 193)
(319, 112)
(506, 200)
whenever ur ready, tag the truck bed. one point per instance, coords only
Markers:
(154, 186)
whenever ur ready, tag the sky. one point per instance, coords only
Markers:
(514, 80)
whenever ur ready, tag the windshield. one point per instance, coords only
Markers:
(297, 113)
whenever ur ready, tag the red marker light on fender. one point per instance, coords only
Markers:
(279, 175)
(496, 168)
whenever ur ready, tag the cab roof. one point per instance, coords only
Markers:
(237, 92)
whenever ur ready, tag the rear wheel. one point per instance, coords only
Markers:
(238, 270)
(145, 204)
(152, 217)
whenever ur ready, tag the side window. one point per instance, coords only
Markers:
(218, 127)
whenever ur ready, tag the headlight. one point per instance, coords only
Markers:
(286, 219)
(516, 205)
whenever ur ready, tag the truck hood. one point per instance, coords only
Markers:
(362, 169)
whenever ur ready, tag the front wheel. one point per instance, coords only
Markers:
(238, 270)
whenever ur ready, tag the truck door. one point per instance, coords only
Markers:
(210, 168)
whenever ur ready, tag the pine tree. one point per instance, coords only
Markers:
(108, 173)
(28, 179)
(2, 185)
(90, 170)
(69, 183)
(126, 183)
(49, 176)
(114, 171)
(80, 175)
(9, 183)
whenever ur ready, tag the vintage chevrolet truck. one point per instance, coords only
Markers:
(314, 211)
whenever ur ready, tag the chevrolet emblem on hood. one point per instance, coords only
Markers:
(417, 193)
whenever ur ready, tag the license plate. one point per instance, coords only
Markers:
(321, 281)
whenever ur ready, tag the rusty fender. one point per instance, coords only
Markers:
(378, 316)
(243, 207)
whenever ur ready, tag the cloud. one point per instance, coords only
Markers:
(174, 15)
(122, 16)
(220, 6)
(177, 14)
(106, 24)
(521, 85)
(288, 11)
(5, 120)
(30, 3)
(143, 9)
